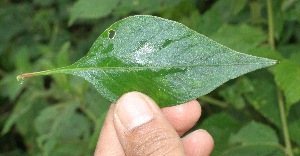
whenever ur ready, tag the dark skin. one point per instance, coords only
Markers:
(135, 125)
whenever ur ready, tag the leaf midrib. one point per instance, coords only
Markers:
(160, 67)
(76, 69)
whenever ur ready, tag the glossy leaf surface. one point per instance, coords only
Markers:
(161, 58)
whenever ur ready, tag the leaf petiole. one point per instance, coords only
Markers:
(40, 73)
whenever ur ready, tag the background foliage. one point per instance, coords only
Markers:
(256, 114)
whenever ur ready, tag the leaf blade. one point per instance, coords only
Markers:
(161, 58)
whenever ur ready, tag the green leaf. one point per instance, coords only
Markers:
(295, 58)
(263, 97)
(240, 37)
(91, 9)
(287, 77)
(161, 58)
(220, 126)
(255, 139)
(125, 7)
(60, 126)
(294, 129)
(294, 123)
(265, 51)
(25, 111)
(257, 150)
(13, 18)
(10, 87)
(220, 13)
(248, 135)
(98, 126)
(288, 50)
(233, 94)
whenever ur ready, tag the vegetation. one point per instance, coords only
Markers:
(256, 114)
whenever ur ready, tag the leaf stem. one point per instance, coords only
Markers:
(55, 30)
(213, 101)
(270, 25)
(46, 72)
(281, 104)
(284, 123)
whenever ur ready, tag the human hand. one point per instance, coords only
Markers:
(135, 125)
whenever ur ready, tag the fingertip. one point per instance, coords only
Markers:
(142, 129)
(108, 143)
(192, 108)
(134, 109)
(199, 142)
(183, 116)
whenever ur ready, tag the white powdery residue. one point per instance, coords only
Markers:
(90, 75)
(141, 55)
(93, 60)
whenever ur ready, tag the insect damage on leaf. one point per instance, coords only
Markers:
(111, 34)
(161, 58)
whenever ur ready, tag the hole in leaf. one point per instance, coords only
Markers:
(47, 82)
(111, 34)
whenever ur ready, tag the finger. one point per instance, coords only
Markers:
(142, 128)
(183, 117)
(198, 143)
(108, 142)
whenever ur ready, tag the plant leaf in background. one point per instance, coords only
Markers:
(161, 58)
(289, 82)
(91, 9)
(62, 122)
(126, 7)
(245, 141)
(220, 131)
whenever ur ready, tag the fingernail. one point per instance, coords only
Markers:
(133, 110)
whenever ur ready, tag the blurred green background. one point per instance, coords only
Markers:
(256, 114)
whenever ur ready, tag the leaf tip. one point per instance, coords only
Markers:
(274, 62)
(271, 62)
